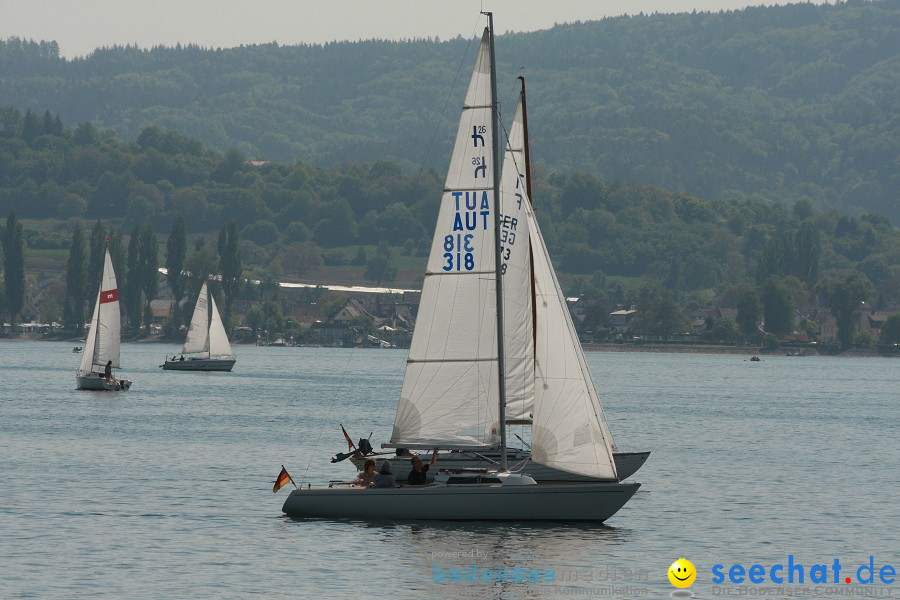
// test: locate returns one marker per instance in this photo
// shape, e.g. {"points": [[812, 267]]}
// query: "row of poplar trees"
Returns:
{"points": [[137, 271], [13, 296]]}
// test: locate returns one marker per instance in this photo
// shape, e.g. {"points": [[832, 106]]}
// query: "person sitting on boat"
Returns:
{"points": [[384, 478], [367, 477], [107, 372], [418, 474]]}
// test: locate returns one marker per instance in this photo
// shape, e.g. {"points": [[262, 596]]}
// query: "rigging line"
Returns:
{"points": [[440, 120], [334, 398]]}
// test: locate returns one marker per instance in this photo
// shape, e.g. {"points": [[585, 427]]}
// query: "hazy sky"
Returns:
{"points": [[79, 26]]}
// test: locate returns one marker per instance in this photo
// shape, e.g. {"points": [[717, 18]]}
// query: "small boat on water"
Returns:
{"points": [[755, 358], [206, 344], [101, 348], [454, 394]]}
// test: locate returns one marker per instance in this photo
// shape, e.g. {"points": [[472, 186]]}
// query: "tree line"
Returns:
{"points": [[137, 271], [614, 239]]}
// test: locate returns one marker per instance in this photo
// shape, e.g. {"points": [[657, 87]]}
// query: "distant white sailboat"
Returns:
{"points": [[544, 357], [101, 348], [206, 345], [454, 392]]}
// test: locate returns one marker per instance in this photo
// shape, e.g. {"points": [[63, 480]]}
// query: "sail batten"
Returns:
{"points": [[489, 273], [450, 360]]}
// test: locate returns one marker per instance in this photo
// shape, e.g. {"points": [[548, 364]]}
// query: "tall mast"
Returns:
{"points": [[495, 159], [209, 317], [526, 142]]}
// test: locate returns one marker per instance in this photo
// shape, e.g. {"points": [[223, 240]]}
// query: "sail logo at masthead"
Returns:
{"points": [[109, 296]]}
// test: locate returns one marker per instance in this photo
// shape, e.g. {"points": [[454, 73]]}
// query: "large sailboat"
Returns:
{"points": [[206, 345], [454, 394], [101, 348], [542, 347]]}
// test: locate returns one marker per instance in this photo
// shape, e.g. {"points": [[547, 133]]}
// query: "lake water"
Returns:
{"points": [[165, 491]]}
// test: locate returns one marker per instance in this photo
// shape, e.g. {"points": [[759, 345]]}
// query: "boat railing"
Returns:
{"points": [[466, 470], [335, 482]]}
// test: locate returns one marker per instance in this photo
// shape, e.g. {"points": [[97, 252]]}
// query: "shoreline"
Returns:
{"points": [[654, 347]]}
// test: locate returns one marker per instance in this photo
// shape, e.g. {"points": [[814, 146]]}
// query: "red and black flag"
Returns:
{"points": [[350, 445], [282, 480]]}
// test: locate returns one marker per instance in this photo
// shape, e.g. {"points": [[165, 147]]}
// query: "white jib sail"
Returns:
{"points": [[515, 256], [569, 430], [450, 389], [218, 339], [197, 339], [102, 344]]}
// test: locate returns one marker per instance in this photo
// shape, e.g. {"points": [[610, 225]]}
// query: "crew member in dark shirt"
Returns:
{"points": [[418, 474]]}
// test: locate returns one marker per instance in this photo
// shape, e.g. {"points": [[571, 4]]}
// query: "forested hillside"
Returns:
{"points": [[781, 104], [615, 237]]}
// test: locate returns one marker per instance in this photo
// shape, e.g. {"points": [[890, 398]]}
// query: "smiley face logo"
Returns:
{"points": [[682, 573]]}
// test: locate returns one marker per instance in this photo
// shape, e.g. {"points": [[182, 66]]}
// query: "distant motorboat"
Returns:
{"points": [[755, 358], [77, 349]]}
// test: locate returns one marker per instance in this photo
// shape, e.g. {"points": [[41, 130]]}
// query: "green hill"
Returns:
{"points": [[782, 103]]}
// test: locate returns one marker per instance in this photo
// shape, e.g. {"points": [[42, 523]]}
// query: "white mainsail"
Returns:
{"points": [[515, 256], [197, 339], [218, 339], [102, 344], [450, 394]]}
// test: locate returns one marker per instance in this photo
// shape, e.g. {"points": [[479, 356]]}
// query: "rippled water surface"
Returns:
{"points": [[166, 491]]}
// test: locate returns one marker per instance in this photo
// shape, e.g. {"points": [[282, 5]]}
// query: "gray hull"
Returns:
{"points": [[626, 465], [199, 364], [542, 502], [95, 381]]}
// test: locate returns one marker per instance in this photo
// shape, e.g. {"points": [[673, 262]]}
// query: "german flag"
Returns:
{"points": [[282, 480], [350, 445]]}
